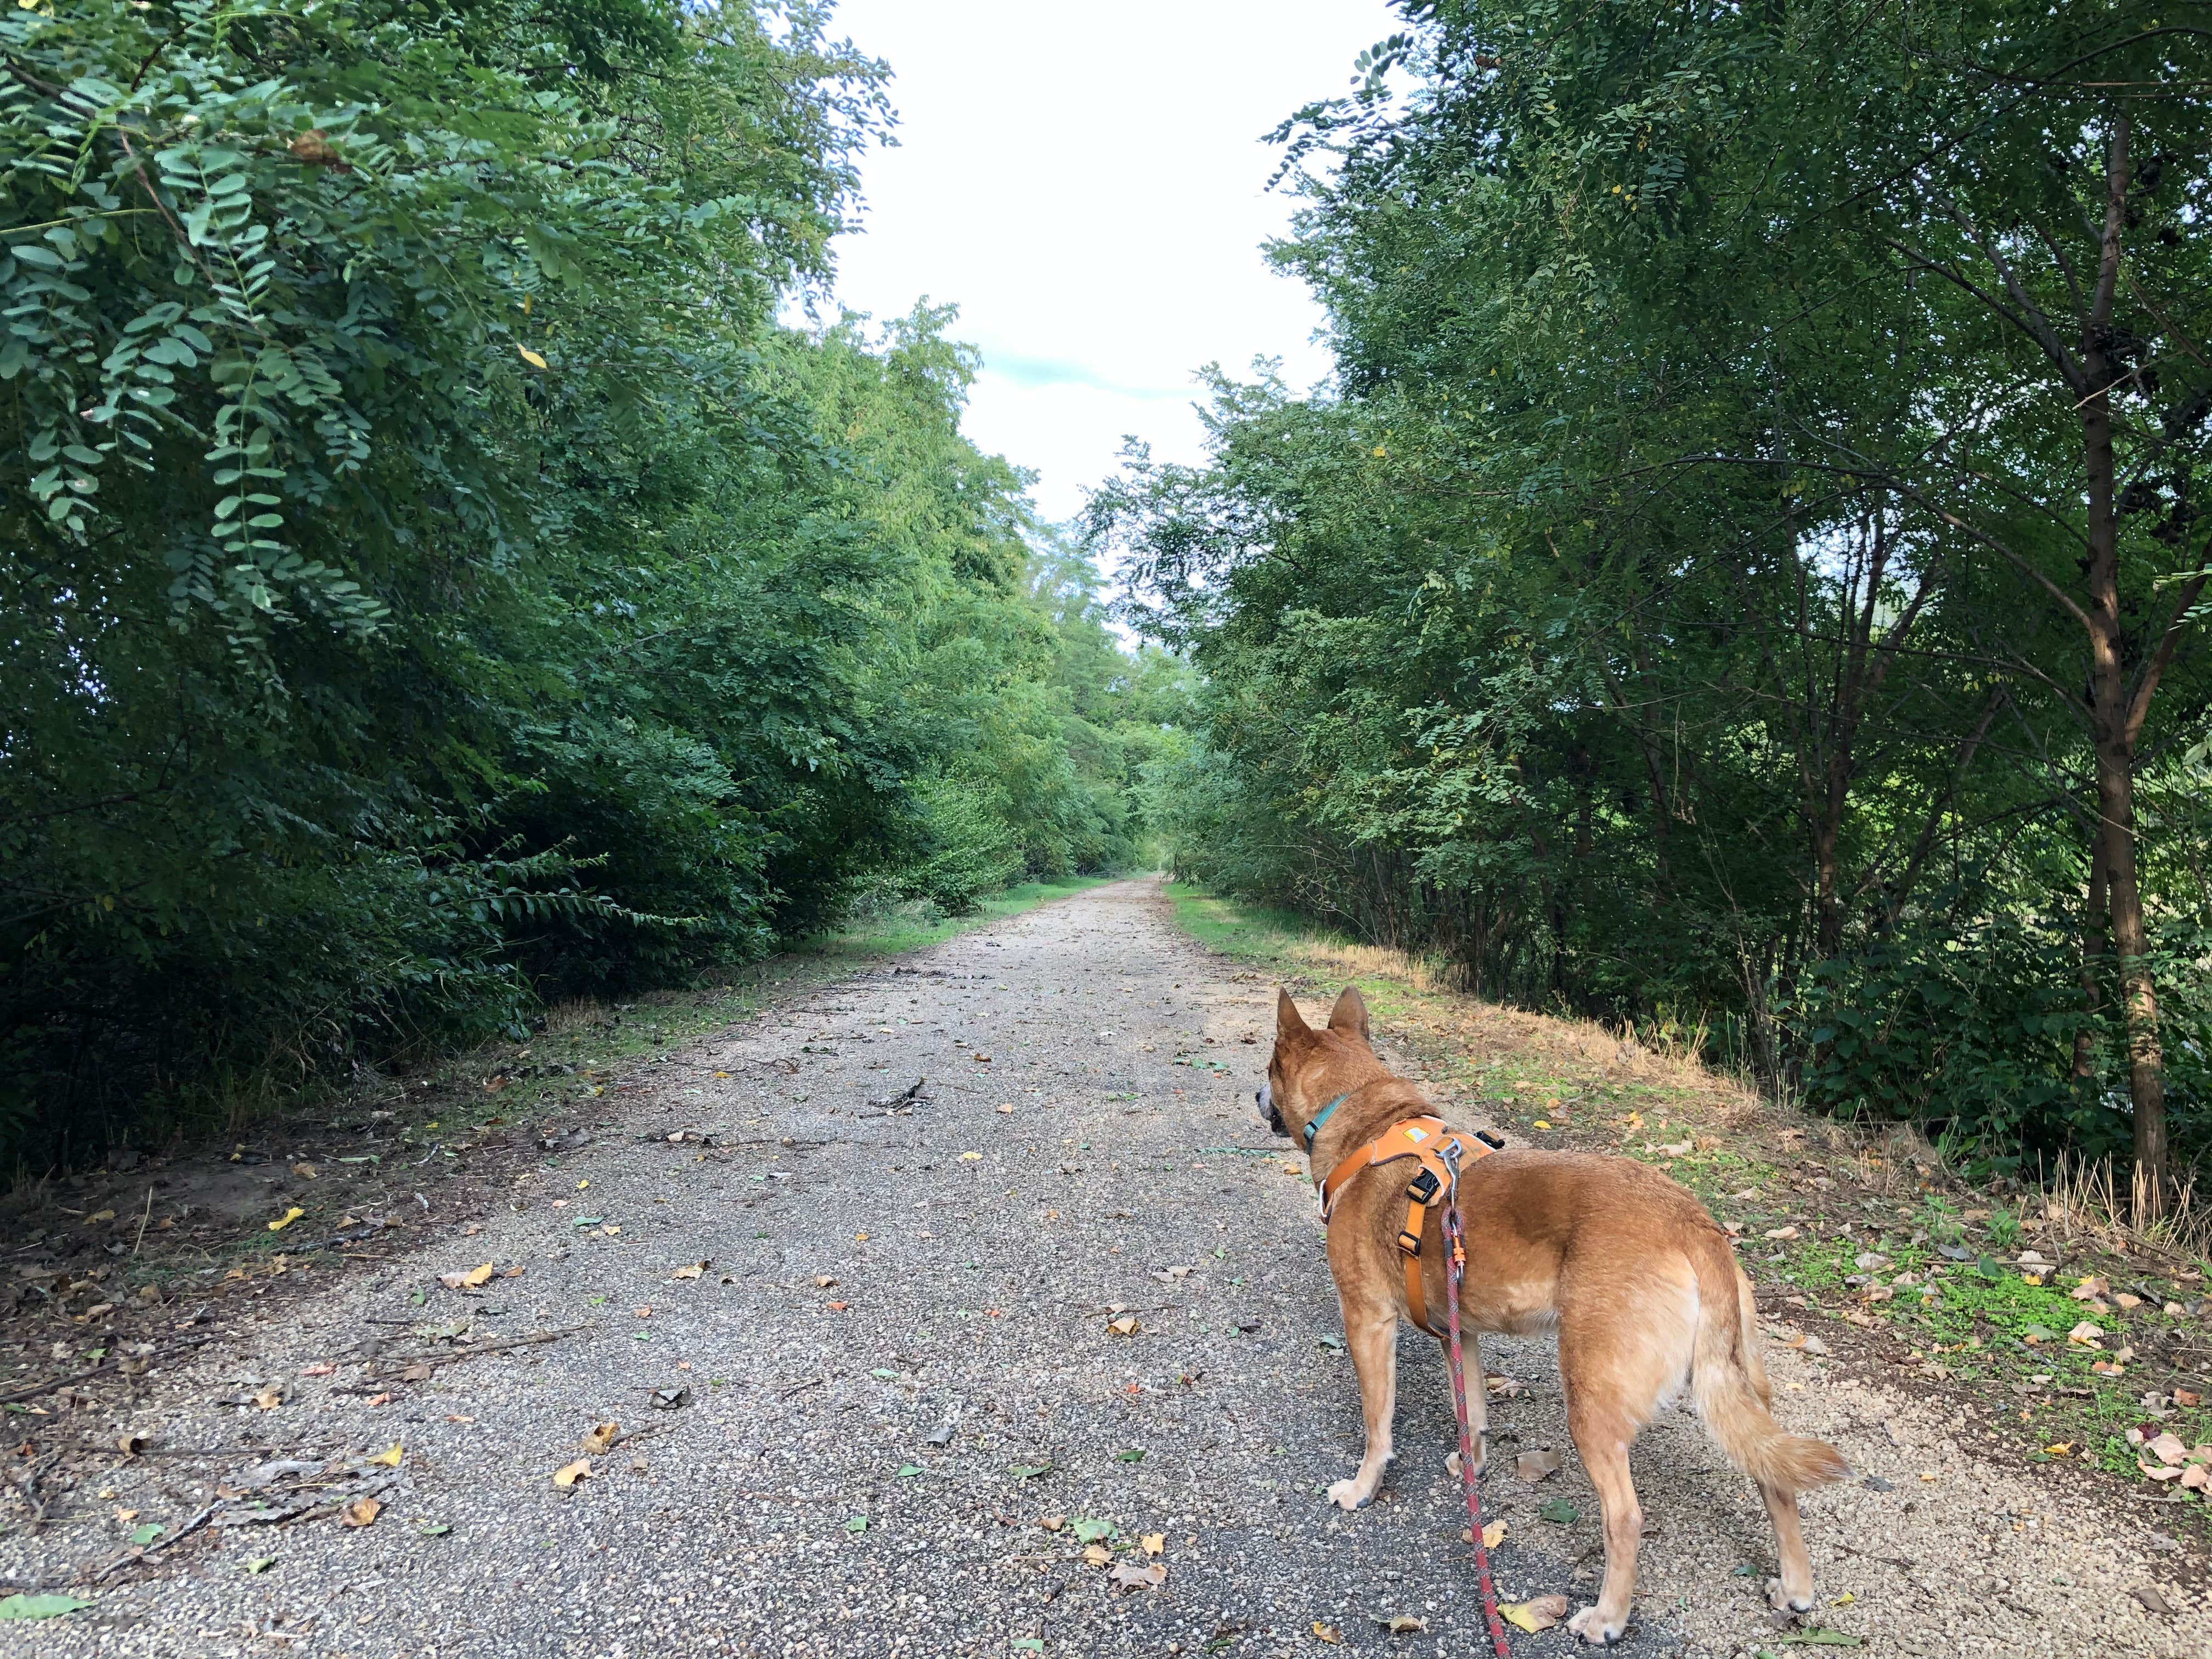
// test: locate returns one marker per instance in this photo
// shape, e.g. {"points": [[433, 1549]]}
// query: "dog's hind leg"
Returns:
{"points": [[1371, 1333], [1602, 1435], [1793, 1591]]}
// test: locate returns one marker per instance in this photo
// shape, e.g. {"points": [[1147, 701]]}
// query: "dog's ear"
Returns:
{"points": [[1289, 1021], [1350, 1013]]}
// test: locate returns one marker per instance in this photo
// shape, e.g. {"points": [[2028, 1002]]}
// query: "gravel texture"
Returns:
{"points": [[861, 1467]]}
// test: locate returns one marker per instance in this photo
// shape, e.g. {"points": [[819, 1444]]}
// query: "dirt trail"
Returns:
{"points": [[899, 1359]]}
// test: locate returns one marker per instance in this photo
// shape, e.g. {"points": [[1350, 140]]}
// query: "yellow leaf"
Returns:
{"points": [[1154, 1542], [971, 1158], [1540, 1124], [531, 357], [2061, 1450], [390, 1459], [1493, 1534], [690, 1272], [1097, 1554], [286, 1220], [1329, 1633], [571, 1474], [477, 1276], [601, 1438], [361, 1512], [1539, 1612]]}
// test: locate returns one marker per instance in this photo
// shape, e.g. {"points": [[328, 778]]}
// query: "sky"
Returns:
{"points": [[1088, 184]]}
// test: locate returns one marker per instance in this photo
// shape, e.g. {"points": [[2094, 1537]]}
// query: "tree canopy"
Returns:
{"points": [[1748, 573], [434, 581]]}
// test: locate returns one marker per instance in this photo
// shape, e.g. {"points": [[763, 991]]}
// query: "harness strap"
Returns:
{"points": [[1424, 1140]]}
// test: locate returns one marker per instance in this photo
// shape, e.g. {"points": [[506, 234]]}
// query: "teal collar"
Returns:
{"points": [[1313, 1125]]}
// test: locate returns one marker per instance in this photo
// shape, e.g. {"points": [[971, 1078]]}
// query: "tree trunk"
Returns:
{"points": [[2094, 910], [2111, 712]]}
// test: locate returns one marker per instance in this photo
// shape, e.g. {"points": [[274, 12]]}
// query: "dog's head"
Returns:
{"points": [[1308, 1067]]}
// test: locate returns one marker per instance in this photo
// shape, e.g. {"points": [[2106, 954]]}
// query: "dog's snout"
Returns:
{"points": [[1264, 1098]]}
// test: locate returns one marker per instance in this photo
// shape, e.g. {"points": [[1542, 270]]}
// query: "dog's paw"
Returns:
{"points": [[1452, 1462], [1346, 1494], [1781, 1601], [1598, 1632]]}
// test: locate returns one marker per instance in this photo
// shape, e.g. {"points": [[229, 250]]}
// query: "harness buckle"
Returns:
{"points": [[1424, 1186], [1409, 1242]]}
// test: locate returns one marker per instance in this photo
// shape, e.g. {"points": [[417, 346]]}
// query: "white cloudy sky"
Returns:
{"points": [[1087, 183]]}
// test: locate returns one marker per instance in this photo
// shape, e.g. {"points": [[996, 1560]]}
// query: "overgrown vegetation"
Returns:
{"points": [[435, 585], [1748, 578]]}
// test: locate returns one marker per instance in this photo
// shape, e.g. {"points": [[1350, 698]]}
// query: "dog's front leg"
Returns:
{"points": [[1371, 1333], [1478, 1402]]}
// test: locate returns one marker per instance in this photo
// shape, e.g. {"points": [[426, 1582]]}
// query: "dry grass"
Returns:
{"points": [[580, 1014], [2093, 1200]]}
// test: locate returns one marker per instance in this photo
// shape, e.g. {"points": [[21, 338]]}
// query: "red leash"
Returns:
{"points": [[1454, 1264]]}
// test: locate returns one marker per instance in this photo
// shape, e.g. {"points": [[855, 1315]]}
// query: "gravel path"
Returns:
{"points": [[899, 1362]]}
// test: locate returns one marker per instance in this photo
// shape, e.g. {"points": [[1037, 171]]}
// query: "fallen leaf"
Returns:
{"points": [[1153, 1543], [1534, 1465], [840, 1307], [1538, 1612], [270, 1399], [856, 1524], [380, 1400], [20, 1606], [361, 1512], [692, 1271], [531, 357], [261, 1563], [146, 1535], [2086, 1333], [2168, 1448], [322, 1369], [1493, 1534], [2185, 1397], [130, 1444], [1124, 1325], [2196, 1477], [2089, 1289], [1052, 1523], [1127, 1576], [1089, 1532], [1781, 1232], [1504, 1388], [1559, 1512], [1328, 1633], [1097, 1554], [569, 1474], [286, 1220], [824, 1281], [390, 1459], [597, 1442], [435, 1529], [1401, 1624]]}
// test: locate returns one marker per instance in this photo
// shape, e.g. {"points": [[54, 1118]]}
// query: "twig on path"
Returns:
{"points": [[134, 1553], [454, 1355], [802, 1388], [1868, 1555], [107, 1365], [143, 1220]]}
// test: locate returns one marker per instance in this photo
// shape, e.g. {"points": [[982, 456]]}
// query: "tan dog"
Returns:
{"points": [[1641, 1286]]}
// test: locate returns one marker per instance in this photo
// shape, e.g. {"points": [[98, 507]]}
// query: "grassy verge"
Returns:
{"points": [[1923, 1278]]}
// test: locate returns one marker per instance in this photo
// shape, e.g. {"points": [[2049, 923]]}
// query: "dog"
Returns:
{"points": [[1640, 1284]]}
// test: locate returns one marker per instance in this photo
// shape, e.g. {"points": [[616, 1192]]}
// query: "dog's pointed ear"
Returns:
{"points": [[1350, 1013], [1289, 1021]]}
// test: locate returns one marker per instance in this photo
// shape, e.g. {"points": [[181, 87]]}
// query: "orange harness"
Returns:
{"points": [[1422, 1139]]}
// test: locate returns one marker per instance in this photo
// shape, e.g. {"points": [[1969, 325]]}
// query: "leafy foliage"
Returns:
{"points": [[435, 581], [1748, 575]]}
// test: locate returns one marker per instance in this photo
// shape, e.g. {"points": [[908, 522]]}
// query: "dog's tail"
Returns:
{"points": [[1729, 1382]]}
